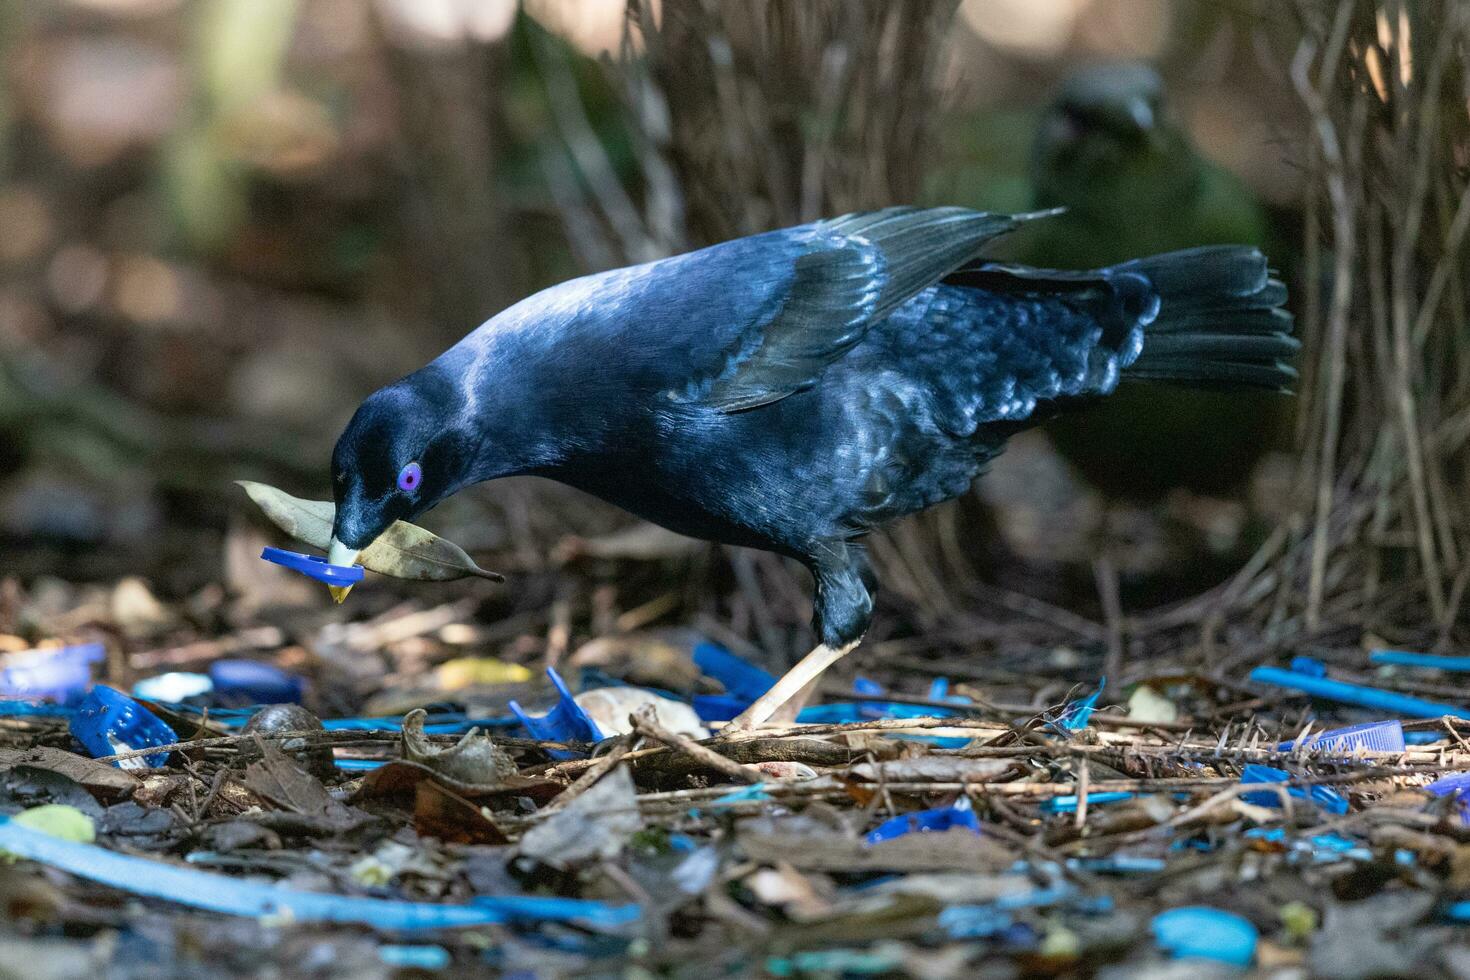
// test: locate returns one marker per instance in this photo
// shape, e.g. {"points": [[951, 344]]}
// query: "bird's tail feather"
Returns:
{"points": [[1221, 320]]}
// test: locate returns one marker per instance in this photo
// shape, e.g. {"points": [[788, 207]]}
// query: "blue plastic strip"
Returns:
{"points": [[1359, 694], [1405, 658], [237, 896], [1067, 804], [314, 566]]}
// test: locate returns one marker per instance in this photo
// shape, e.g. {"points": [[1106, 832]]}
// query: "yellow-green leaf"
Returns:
{"points": [[403, 551]]}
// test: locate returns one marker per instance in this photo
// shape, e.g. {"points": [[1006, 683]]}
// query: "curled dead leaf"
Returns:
{"points": [[403, 551]]}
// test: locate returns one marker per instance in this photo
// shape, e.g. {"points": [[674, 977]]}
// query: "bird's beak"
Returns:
{"points": [[339, 554]]}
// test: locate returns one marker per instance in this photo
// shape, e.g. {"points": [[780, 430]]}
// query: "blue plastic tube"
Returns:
{"points": [[255, 899], [1405, 658], [1359, 694]]}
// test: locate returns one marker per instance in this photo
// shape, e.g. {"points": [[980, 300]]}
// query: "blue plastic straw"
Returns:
{"points": [[1405, 658], [1359, 694], [254, 899]]}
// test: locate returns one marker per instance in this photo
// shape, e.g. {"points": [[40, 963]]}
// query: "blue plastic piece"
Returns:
{"points": [[1424, 738], [741, 679], [1068, 803], [255, 899], [1325, 797], [314, 566], [1206, 933], [1118, 864], [565, 722], [360, 765], [973, 921], [1359, 694], [174, 686], [927, 821], [1456, 786], [414, 957], [743, 683], [1405, 658], [1374, 736], [242, 682], [1310, 666], [107, 722], [1075, 716], [745, 794], [59, 674]]}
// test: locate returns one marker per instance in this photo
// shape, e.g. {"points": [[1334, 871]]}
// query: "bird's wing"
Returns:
{"points": [[849, 273]]}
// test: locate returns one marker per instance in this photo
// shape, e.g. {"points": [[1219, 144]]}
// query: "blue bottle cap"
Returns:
{"points": [[1375, 736], [107, 722], [314, 566], [239, 682], [1212, 934]]}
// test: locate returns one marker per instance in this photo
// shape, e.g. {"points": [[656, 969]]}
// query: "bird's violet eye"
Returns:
{"points": [[410, 477]]}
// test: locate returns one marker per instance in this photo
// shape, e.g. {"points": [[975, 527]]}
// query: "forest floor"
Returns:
{"points": [[959, 815]]}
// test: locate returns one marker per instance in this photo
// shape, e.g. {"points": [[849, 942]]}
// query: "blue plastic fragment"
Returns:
{"points": [[741, 679], [940, 819], [1456, 786], [565, 722], [174, 686], [1424, 738], [1374, 736], [60, 674], [864, 685], [1206, 933], [242, 682], [107, 721], [255, 899], [833, 962], [1325, 797], [1068, 803], [1310, 666], [34, 708], [1359, 694], [974, 921], [1076, 715], [414, 957], [1118, 864], [314, 566], [1405, 658], [360, 765], [444, 723], [745, 794]]}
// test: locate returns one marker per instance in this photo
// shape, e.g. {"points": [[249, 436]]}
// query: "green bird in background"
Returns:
{"points": [[1109, 151]]}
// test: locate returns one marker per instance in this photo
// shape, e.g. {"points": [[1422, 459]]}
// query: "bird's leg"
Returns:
{"points": [[797, 684]]}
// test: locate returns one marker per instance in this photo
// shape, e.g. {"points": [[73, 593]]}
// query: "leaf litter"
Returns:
{"points": [[1018, 818]]}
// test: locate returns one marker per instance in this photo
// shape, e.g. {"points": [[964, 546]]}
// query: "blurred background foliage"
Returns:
{"points": [[224, 222]]}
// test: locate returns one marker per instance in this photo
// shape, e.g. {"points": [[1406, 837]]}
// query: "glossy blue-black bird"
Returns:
{"points": [[794, 390]]}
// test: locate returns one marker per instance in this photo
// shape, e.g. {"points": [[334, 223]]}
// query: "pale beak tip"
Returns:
{"points": [[339, 593]]}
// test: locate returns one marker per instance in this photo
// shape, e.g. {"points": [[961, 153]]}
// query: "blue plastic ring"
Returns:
{"points": [[314, 566]]}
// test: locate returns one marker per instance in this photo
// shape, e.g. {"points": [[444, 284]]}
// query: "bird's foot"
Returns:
{"points": [[790, 694]]}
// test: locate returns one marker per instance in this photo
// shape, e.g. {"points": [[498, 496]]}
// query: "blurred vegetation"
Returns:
{"points": [[225, 221]]}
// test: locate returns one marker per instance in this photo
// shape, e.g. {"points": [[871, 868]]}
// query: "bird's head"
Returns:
{"points": [[399, 456], [1109, 125]]}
